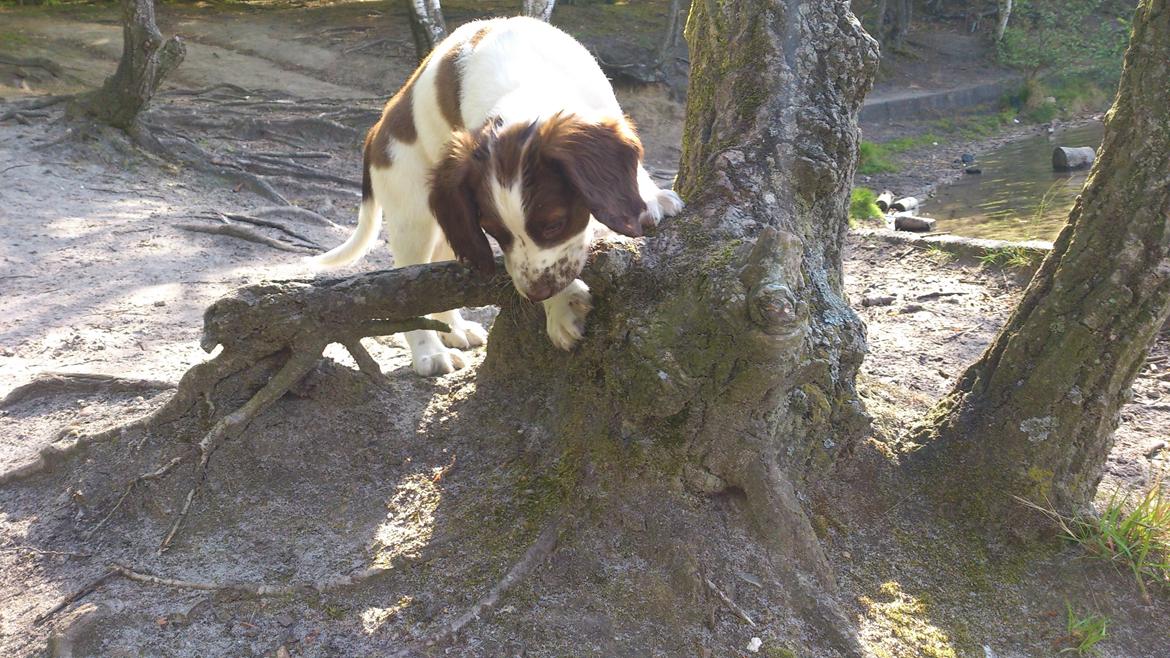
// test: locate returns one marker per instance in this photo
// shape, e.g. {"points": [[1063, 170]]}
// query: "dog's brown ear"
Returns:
{"points": [[601, 161], [452, 201]]}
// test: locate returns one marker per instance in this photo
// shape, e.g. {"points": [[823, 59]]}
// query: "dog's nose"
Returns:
{"points": [[540, 291]]}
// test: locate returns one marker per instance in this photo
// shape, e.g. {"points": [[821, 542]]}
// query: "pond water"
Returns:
{"points": [[1018, 196]]}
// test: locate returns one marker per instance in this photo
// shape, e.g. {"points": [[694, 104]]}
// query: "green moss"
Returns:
{"points": [[781, 651]]}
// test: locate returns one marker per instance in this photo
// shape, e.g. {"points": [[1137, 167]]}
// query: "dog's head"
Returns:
{"points": [[532, 187]]}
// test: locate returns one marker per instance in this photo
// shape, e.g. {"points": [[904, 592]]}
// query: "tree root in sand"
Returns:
{"points": [[250, 235], [290, 322], [53, 68], [536, 554]]}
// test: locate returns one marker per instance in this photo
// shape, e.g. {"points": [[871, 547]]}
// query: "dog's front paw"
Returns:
{"points": [[659, 204], [438, 363], [565, 314], [464, 334]]}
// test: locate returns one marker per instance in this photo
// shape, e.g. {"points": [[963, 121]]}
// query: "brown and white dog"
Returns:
{"points": [[508, 128]]}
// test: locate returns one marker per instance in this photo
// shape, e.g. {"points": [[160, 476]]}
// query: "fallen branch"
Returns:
{"points": [[731, 605], [77, 595]]}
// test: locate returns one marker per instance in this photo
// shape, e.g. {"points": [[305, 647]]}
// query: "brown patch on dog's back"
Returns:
{"points": [[397, 122], [449, 78], [447, 86]]}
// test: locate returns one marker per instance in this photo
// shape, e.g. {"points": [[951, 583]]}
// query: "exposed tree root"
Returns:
{"points": [[27, 109], [53, 68], [245, 233], [533, 557], [228, 217], [290, 323], [76, 383], [295, 212], [206, 91]]}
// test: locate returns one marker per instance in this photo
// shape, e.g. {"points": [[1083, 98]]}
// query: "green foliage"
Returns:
{"points": [[1067, 37], [863, 205], [874, 158], [1084, 632]]}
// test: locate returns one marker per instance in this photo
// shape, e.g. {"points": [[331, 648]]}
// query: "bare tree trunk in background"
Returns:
{"points": [[1005, 14], [539, 9], [426, 25], [903, 14], [1035, 416], [146, 60]]}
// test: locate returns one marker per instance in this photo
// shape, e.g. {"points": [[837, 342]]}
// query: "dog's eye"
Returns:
{"points": [[554, 227]]}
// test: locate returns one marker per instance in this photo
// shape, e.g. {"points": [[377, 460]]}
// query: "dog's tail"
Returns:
{"points": [[368, 228]]}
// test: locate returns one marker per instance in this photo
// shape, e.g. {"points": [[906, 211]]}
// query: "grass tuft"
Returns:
{"points": [[1135, 537], [1013, 257], [863, 205], [1084, 632]]}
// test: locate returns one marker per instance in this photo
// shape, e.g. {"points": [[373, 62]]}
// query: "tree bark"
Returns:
{"points": [[426, 25], [146, 60], [539, 9], [1005, 14], [1034, 417]]}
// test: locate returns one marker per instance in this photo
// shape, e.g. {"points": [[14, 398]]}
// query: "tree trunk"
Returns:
{"points": [[1005, 14], [146, 60], [722, 354], [426, 25], [539, 9], [1034, 417]]}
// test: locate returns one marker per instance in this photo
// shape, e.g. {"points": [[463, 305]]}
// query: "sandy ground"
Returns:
{"points": [[97, 277]]}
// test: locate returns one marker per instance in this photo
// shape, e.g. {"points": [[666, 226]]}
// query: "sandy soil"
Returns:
{"points": [[98, 277]]}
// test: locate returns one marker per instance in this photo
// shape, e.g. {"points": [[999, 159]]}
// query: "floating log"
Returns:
{"points": [[911, 222], [884, 200], [905, 204], [1068, 158]]}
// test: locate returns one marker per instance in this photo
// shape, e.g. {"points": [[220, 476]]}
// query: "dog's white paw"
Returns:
{"points": [[565, 314], [438, 363], [659, 204], [464, 334]]}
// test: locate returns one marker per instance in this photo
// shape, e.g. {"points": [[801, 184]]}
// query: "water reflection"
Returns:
{"points": [[1018, 196]]}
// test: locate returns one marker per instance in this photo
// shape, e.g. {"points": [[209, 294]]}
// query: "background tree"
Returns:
{"points": [[426, 25], [146, 60], [1035, 416]]}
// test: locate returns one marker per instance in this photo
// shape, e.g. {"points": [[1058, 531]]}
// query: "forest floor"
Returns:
{"points": [[101, 273]]}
